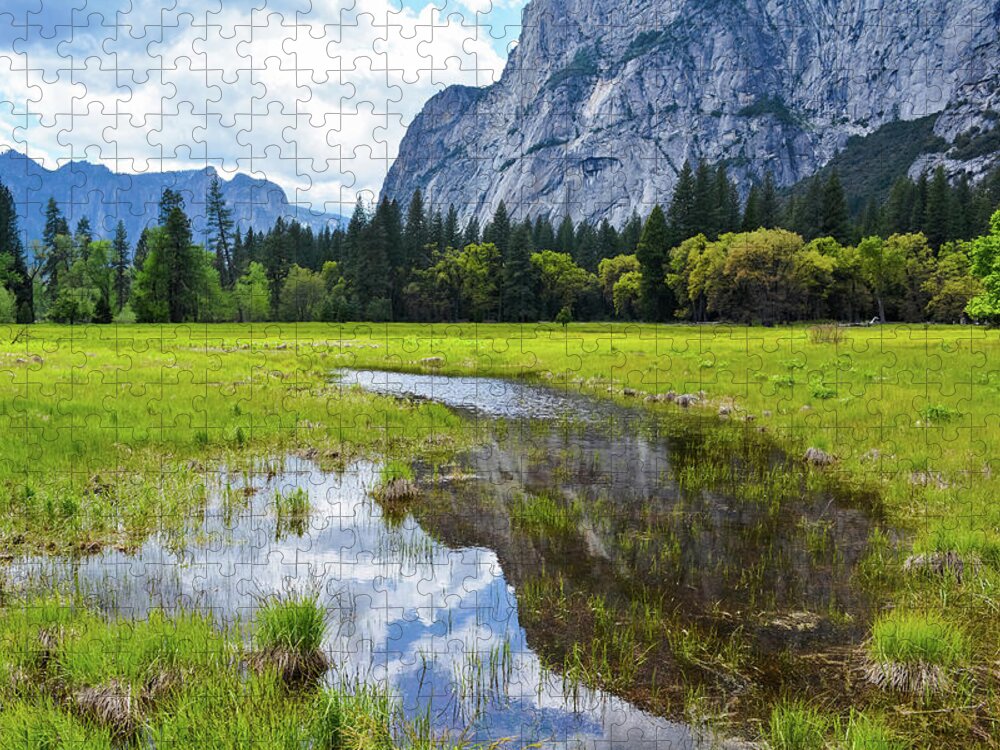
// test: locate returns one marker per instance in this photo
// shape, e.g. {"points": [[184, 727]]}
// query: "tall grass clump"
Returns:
{"points": [[289, 637], [826, 333], [396, 489], [358, 719], [292, 510], [866, 732], [796, 726], [542, 514], [914, 652], [43, 725]]}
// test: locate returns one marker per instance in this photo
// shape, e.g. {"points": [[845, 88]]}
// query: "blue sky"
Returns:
{"points": [[314, 95]]}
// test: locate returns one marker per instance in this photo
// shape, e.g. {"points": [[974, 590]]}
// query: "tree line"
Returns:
{"points": [[929, 252]]}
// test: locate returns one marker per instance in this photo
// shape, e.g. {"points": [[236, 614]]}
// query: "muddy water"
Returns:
{"points": [[428, 604]]}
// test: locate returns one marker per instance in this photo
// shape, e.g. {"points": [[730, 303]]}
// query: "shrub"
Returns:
{"points": [[829, 333], [939, 413], [7, 306]]}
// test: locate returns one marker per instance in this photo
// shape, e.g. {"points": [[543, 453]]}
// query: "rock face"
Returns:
{"points": [[92, 190], [603, 100]]}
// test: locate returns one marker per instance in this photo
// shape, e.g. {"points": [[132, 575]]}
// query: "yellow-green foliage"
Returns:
{"points": [[912, 637]]}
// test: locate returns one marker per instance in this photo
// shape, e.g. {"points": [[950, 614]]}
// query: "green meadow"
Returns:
{"points": [[108, 433]]}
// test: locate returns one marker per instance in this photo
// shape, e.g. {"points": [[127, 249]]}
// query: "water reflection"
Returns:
{"points": [[615, 507], [437, 623]]}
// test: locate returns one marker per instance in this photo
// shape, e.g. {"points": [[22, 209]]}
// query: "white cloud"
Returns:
{"points": [[316, 101]]}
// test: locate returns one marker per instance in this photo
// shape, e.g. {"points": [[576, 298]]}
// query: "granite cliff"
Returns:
{"points": [[602, 101]]}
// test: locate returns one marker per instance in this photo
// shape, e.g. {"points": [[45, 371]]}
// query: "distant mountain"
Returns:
{"points": [[92, 190], [602, 101]]}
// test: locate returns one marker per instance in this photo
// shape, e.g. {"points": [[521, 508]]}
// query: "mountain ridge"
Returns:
{"points": [[103, 196], [602, 101]]}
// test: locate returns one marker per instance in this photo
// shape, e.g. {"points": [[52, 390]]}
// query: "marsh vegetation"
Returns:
{"points": [[221, 534]]}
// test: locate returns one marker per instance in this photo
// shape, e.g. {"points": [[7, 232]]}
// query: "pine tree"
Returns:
{"points": [[241, 262], [219, 227], [82, 237], [55, 224], [543, 235], [899, 207], [681, 219], [751, 213], [655, 297], [769, 208], [586, 247], [704, 212], [608, 241], [182, 267], [141, 249], [354, 252], [277, 255], [517, 294], [937, 211], [566, 236], [919, 215], [120, 262], [452, 232], [470, 235], [499, 229], [833, 217], [727, 208], [390, 233], [963, 210], [374, 285], [628, 238], [807, 216], [169, 200], [415, 234], [871, 220], [57, 260], [19, 281]]}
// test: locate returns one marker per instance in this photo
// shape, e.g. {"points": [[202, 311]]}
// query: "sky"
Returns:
{"points": [[312, 94]]}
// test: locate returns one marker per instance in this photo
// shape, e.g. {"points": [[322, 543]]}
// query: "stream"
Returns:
{"points": [[428, 603]]}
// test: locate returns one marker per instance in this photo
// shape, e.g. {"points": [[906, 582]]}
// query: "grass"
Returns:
{"points": [[213, 702], [361, 718], [870, 732], [296, 623], [915, 652], [797, 726], [396, 491], [289, 636], [112, 433], [294, 503], [543, 515], [292, 509], [910, 637]]}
